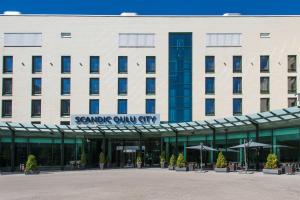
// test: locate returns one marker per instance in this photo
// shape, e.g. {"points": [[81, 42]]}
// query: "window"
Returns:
{"points": [[22, 39], [150, 85], [209, 107], [65, 35], [122, 106], [94, 86], [94, 106], [209, 85], [7, 64], [94, 64], [141, 40], [35, 122], [237, 106], [265, 35], [65, 64], [36, 86], [64, 123], [292, 102], [6, 108], [292, 63], [264, 85], [65, 107], [209, 64], [150, 106], [65, 86], [150, 64], [35, 108], [264, 104], [237, 85], [36, 64], [264, 64], [237, 64], [122, 64], [122, 86], [7, 86], [223, 39], [292, 85]]}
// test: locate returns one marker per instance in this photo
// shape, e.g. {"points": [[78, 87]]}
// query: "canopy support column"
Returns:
{"points": [[12, 150], [62, 151], [176, 141], [213, 141], [256, 140]]}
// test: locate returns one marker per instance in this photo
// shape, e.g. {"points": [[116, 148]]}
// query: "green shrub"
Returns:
{"points": [[221, 161], [31, 164], [172, 160], [138, 158], [83, 159], [162, 157], [272, 161], [180, 161], [101, 158]]}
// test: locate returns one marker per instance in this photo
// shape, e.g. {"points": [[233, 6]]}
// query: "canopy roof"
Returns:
{"points": [[265, 120]]}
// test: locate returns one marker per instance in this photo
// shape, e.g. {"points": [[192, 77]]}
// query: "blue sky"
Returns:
{"points": [[153, 7]]}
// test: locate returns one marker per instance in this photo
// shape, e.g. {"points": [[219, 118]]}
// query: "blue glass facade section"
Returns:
{"points": [[209, 64], [209, 107], [150, 85], [237, 106], [36, 64], [237, 85], [7, 64], [94, 106], [65, 86], [150, 64], [209, 85], [180, 77], [122, 106], [122, 86], [36, 86], [237, 64], [65, 64], [150, 106], [94, 86], [94, 64], [122, 64]]}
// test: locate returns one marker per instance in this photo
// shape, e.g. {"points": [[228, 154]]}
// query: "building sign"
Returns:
{"points": [[146, 119]]}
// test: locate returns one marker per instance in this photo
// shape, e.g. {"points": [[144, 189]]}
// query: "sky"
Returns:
{"points": [[153, 7]]}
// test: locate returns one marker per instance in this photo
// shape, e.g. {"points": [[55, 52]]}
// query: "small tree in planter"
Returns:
{"points": [[101, 160], [221, 165], [172, 162], [271, 166], [139, 161], [83, 160], [31, 165], [162, 159], [180, 164]]}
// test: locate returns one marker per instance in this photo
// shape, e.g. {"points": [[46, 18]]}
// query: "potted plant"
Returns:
{"points": [[271, 166], [31, 165], [172, 162], [221, 165], [162, 159], [83, 160], [181, 164], [139, 161], [101, 160]]}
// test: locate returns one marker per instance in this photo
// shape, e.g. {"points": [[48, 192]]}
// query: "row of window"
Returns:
{"points": [[65, 107], [66, 64]]}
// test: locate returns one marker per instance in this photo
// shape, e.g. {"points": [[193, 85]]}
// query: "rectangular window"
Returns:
{"points": [[36, 86], [292, 85], [150, 64], [7, 86], [94, 86], [36, 64], [65, 35], [94, 106], [292, 102], [150, 85], [237, 64], [35, 122], [292, 63], [209, 64], [94, 64], [7, 64], [209, 85], [237, 105], [65, 86], [65, 64], [6, 108], [122, 86], [150, 106], [122, 64], [264, 64], [65, 108], [223, 39], [209, 107], [22, 39], [237, 85], [134, 40], [264, 104], [264, 85], [265, 35], [65, 123], [122, 106], [35, 108]]}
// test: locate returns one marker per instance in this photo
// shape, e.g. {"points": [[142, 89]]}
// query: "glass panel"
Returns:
{"points": [[94, 86], [292, 63], [150, 106], [7, 86], [150, 85], [36, 108], [237, 85], [264, 85], [292, 85], [122, 106], [94, 64], [36, 86], [65, 86], [292, 102], [209, 106], [264, 63], [209, 64], [65, 64], [237, 106], [209, 85], [65, 107], [7, 64], [122, 64], [94, 106], [264, 104], [122, 86], [150, 64], [36, 64], [6, 108], [237, 64]]}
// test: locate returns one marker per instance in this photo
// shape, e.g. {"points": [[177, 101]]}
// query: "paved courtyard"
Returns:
{"points": [[148, 184]]}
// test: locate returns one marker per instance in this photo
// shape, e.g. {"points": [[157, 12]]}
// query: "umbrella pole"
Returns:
{"points": [[245, 155], [201, 159]]}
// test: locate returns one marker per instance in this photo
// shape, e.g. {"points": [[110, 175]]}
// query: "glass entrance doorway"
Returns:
{"points": [[128, 155]]}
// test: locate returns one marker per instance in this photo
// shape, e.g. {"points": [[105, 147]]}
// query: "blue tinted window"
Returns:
{"points": [[94, 85], [209, 106], [237, 106], [264, 63], [122, 64], [94, 106], [122, 106], [36, 108], [65, 64], [65, 107], [150, 85], [36, 86], [210, 85], [150, 64], [7, 86], [7, 64], [237, 85], [6, 108], [36, 64], [94, 64], [150, 106], [237, 63], [122, 86], [209, 64], [65, 86]]}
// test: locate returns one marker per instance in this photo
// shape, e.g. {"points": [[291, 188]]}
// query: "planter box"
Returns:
{"points": [[272, 171], [226, 169], [181, 169], [171, 167], [101, 165], [32, 172]]}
